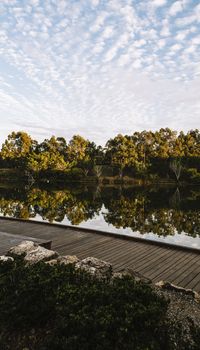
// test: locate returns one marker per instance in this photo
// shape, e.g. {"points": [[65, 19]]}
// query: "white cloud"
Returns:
{"points": [[94, 63], [165, 31], [108, 32], [175, 8], [158, 3], [184, 21], [95, 2], [139, 43], [97, 25]]}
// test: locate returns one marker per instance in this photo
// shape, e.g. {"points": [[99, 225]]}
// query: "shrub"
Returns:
{"points": [[69, 309]]}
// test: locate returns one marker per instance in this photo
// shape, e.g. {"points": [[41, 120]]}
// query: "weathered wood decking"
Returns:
{"points": [[157, 262], [8, 240]]}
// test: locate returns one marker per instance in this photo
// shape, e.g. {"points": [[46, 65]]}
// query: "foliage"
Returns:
{"points": [[142, 154], [77, 150], [71, 309], [17, 146], [122, 151], [46, 161]]}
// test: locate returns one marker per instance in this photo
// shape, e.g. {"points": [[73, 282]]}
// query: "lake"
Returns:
{"points": [[166, 214]]}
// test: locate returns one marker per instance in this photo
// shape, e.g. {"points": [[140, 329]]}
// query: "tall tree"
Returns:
{"points": [[54, 144], [123, 152], [78, 150], [17, 146]]}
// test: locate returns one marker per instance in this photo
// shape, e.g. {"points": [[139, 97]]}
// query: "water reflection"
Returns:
{"points": [[161, 211]]}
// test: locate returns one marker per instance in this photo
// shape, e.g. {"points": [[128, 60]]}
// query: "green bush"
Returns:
{"points": [[68, 309]]}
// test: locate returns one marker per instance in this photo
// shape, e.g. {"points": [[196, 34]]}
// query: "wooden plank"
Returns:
{"points": [[141, 257], [175, 267], [183, 271], [116, 252], [165, 265], [196, 286], [157, 259], [190, 273]]}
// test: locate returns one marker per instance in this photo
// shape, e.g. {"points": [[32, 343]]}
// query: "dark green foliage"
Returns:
{"points": [[69, 309]]}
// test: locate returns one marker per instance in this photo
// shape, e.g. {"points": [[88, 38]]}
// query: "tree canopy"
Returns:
{"points": [[142, 152]]}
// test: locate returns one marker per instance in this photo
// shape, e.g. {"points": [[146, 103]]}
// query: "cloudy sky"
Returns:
{"points": [[98, 67]]}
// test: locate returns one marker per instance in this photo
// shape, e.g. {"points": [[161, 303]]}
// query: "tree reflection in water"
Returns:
{"points": [[162, 211]]}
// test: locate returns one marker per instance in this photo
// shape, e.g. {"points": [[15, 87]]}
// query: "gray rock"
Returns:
{"points": [[66, 260], [39, 254], [22, 249], [96, 267], [5, 259], [32, 252]]}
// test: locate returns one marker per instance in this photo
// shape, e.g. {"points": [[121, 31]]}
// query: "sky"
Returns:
{"points": [[98, 67]]}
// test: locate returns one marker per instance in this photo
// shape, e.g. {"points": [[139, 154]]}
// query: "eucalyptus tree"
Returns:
{"points": [[17, 147], [49, 155], [77, 150], [123, 152], [192, 143]]}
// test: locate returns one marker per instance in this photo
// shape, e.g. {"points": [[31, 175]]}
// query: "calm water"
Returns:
{"points": [[165, 214]]}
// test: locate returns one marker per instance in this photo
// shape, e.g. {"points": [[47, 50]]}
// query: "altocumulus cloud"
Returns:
{"points": [[97, 67]]}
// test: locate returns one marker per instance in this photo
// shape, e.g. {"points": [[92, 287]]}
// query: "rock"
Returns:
{"points": [[98, 268], [39, 254], [66, 260], [32, 252], [52, 262], [170, 286], [5, 259], [22, 249], [130, 272]]}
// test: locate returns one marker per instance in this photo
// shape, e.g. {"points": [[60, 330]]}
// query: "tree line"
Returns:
{"points": [[163, 152]]}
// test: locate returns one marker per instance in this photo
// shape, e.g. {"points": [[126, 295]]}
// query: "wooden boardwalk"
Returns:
{"points": [[157, 262]]}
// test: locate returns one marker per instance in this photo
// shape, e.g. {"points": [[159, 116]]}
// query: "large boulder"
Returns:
{"points": [[32, 252], [39, 254], [96, 267], [22, 249]]}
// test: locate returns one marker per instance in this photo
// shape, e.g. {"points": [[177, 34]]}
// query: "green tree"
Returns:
{"points": [[78, 150], [122, 151], [17, 147], [192, 143], [54, 144], [46, 161]]}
